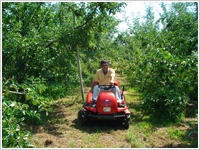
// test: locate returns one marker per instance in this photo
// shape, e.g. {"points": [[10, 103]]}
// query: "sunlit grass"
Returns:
{"points": [[71, 144], [176, 134], [141, 133], [134, 138]]}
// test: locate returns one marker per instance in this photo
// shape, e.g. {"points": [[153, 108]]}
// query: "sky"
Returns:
{"points": [[138, 8]]}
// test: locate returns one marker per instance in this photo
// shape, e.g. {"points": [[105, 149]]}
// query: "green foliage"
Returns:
{"points": [[21, 110], [39, 38], [13, 117], [26, 109], [39, 57], [56, 90], [163, 63], [32, 96]]}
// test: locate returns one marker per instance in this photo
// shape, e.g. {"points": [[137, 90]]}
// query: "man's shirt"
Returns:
{"points": [[104, 79]]}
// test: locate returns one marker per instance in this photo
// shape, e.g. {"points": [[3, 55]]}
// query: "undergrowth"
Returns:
{"points": [[33, 99]]}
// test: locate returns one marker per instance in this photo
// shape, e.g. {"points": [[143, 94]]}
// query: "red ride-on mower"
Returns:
{"points": [[106, 106]]}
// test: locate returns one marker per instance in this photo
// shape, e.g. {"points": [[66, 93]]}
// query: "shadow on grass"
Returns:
{"points": [[97, 126], [187, 142], [50, 123], [193, 144]]}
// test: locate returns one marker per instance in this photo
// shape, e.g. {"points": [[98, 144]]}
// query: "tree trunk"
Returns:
{"points": [[79, 65]]}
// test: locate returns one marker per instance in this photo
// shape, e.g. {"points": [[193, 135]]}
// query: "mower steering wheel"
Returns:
{"points": [[107, 88]]}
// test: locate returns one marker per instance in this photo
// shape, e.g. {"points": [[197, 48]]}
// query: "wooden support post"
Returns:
{"points": [[79, 65]]}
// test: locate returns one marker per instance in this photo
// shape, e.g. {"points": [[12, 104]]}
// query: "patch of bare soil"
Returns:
{"points": [[63, 129]]}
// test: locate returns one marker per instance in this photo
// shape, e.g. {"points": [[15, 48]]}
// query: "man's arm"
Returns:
{"points": [[112, 76], [112, 80], [94, 83]]}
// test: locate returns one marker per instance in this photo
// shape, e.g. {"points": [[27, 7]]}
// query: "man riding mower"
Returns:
{"points": [[105, 100]]}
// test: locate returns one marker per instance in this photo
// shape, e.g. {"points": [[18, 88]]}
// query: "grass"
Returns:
{"points": [[71, 144], [85, 140], [134, 139], [175, 134], [149, 128], [143, 132]]}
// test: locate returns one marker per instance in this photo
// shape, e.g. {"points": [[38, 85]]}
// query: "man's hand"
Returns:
{"points": [[111, 82], [91, 91], [95, 83]]}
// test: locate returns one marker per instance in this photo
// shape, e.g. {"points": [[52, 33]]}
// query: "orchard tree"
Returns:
{"points": [[39, 38], [165, 62]]}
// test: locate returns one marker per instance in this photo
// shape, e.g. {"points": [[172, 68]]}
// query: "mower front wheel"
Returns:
{"points": [[127, 121], [85, 118]]}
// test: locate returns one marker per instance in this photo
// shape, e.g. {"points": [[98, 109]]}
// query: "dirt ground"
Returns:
{"points": [[63, 129]]}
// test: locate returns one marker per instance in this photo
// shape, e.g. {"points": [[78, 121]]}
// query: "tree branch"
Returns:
{"points": [[73, 28], [31, 19], [49, 44], [34, 14], [81, 25], [69, 30], [14, 92]]}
